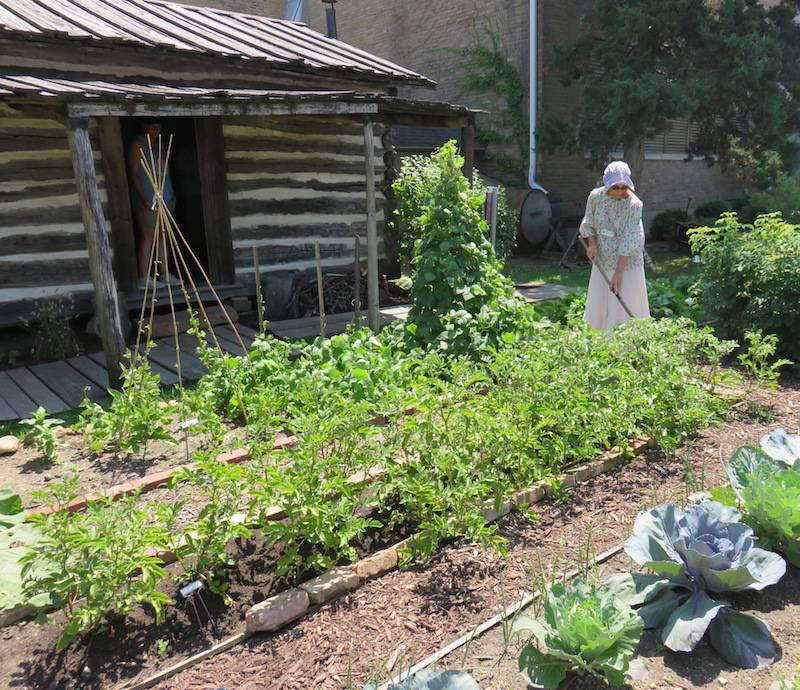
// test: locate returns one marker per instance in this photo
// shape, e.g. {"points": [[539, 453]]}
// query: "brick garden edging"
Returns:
{"points": [[282, 609]]}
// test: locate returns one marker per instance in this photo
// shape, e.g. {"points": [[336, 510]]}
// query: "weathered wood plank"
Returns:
{"points": [[278, 254], [218, 109], [44, 191], [164, 354], [7, 412], [188, 346], [51, 270], [272, 143], [91, 370], [16, 398], [237, 186], [246, 334], [53, 242], [69, 384], [291, 232], [167, 376], [43, 215], [319, 124], [106, 301], [299, 165], [36, 390], [119, 206], [244, 207], [32, 142], [213, 190]]}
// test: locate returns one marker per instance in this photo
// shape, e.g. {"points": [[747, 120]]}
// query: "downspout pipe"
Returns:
{"points": [[533, 93]]}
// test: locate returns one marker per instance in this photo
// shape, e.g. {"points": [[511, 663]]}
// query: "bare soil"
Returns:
{"points": [[27, 471]]}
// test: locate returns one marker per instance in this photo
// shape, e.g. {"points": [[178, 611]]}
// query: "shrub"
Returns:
{"points": [[750, 278], [663, 225], [784, 198], [712, 209], [53, 337], [462, 302], [414, 188]]}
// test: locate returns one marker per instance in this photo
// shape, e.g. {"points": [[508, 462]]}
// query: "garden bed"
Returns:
{"points": [[407, 615]]}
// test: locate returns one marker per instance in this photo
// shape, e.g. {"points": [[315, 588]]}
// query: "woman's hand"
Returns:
{"points": [[616, 281], [591, 249]]}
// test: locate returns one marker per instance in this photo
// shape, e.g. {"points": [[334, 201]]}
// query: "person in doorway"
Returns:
{"points": [[613, 230], [143, 196]]}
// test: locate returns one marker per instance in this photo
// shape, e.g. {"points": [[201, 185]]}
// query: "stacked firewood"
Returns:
{"points": [[338, 290]]}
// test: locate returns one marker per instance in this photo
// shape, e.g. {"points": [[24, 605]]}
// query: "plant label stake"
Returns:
{"points": [[186, 425], [193, 588]]}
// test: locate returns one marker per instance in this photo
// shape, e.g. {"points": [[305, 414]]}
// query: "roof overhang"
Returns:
{"points": [[89, 97]]}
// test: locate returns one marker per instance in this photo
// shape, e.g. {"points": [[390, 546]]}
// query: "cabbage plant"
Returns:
{"points": [[586, 629], [767, 485], [427, 680], [697, 555]]}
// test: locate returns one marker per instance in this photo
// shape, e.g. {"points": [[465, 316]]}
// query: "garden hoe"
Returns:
{"points": [[605, 277]]}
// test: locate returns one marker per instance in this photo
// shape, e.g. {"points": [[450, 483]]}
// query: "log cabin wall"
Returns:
{"points": [[292, 181], [42, 242]]}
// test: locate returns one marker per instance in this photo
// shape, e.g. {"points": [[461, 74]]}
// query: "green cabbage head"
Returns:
{"points": [[697, 555]]}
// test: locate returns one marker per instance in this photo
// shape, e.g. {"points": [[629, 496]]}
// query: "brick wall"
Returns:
{"points": [[418, 33]]}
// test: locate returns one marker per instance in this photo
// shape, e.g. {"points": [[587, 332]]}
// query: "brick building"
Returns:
{"points": [[418, 34]]}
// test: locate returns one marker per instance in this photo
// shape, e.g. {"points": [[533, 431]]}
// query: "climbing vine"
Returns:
{"points": [[489, 70]]}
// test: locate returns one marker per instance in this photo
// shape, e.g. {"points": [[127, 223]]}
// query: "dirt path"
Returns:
{"points": [[405, 616]]}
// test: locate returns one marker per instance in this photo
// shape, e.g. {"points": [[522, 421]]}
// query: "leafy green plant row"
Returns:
{"points": [[550, 403]]}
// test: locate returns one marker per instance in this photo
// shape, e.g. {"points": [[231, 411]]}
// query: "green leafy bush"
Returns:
{"points": [[89, 562], [670, 298], [136, 415], [53, 337], [712, 209], [769, 491], [462, 302], [664, 224], [586, 629], [414, 188], [783, 198], [750, 278], [41, 433]]}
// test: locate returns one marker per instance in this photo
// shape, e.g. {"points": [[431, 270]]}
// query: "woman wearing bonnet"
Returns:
{"points": [[613, 229]]}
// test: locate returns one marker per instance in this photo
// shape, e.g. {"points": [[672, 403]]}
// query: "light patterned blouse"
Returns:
{"points": [[617, 225]]}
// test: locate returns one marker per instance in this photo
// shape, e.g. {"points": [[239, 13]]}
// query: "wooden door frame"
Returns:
{"points": [[212, 174]]}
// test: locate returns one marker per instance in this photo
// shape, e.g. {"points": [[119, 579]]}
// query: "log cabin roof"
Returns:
{"points": [[159, 25], [90, 95]]}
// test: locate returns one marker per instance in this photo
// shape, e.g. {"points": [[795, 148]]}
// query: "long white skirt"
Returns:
{"points": [[603, 310]]}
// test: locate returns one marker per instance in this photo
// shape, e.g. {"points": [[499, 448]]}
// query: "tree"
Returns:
{"points": [[641, 63]]}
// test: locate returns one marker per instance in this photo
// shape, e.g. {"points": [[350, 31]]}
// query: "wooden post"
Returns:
{"points": [[373, 296], [357, 280], [119, 203], [468, 149], [106, 305], [320, 289], [259, 297]]}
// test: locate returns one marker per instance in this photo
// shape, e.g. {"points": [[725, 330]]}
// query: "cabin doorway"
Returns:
{"points": [[185, 179]]}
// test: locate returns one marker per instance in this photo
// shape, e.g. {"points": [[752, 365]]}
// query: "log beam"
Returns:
{"points": [[373, 295], [106, 301]]}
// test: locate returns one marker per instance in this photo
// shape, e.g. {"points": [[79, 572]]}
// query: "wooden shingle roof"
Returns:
{"points": [[170, 26]]}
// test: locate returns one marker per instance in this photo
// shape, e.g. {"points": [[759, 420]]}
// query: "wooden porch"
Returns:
{"points": [[62, 385]]}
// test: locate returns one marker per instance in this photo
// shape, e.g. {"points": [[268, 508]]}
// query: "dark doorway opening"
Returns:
{"points": [[185, 176]]}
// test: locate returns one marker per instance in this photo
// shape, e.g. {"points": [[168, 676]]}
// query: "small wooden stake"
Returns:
{"points": [[259, 297], [357, 280], [320, 294], [373, 293]]}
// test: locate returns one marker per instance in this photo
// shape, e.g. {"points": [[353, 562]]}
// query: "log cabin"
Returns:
{"points": [[281, 138]]}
